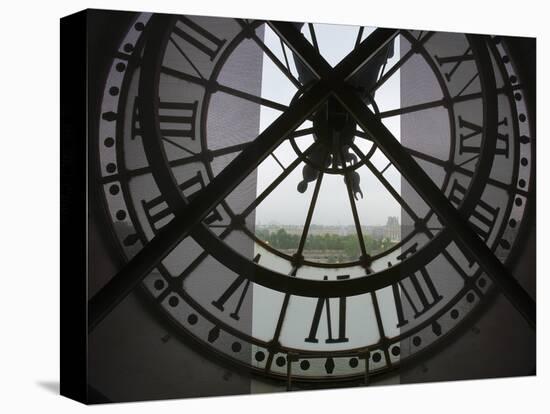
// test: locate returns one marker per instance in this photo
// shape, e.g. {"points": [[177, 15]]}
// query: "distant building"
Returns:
{"points": [[392, 230]]}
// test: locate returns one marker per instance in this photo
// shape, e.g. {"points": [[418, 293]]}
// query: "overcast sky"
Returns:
{"points": [[285, 205]]}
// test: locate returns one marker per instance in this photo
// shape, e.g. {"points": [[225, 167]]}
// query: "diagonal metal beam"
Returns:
{"points": [[193, 213], [465, 236], [187, 216], [349, 66]]}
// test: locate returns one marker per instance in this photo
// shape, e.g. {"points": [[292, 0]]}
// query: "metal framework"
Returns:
{"points": [[330, 82]]}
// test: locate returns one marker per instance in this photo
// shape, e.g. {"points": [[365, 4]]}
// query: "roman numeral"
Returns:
{"points": [[454, 62], [470, 141], [177, 119], [423, 295], [231, 290], [484, 215], [199, 37], [324, 303], [157, 210]]}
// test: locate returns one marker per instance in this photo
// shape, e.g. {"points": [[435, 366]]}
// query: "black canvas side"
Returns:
{"points": [[73, 296]]}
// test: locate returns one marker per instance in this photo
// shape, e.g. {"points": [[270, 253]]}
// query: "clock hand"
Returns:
{"points": [[354, 179], [310, 173]]}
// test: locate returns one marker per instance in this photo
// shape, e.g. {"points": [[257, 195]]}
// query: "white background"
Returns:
{"points": [[29, 216]]}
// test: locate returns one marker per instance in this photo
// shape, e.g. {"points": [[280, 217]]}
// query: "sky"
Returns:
{"points": [[333, 206]]}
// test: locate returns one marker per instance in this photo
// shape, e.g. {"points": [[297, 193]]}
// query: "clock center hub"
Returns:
{"points": [[334, 127], [334, 130]]}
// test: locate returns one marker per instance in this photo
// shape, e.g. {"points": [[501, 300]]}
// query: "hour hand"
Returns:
{"points": [[355, 178]]}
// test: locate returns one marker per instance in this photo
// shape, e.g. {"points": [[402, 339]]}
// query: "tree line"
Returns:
{"points": [[348, 244]]}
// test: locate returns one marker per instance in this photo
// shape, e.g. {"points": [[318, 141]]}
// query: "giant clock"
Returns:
{"points": [[191, 143]]}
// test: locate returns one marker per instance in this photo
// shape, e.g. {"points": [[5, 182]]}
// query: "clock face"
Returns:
{"points": [[322, 260]]}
